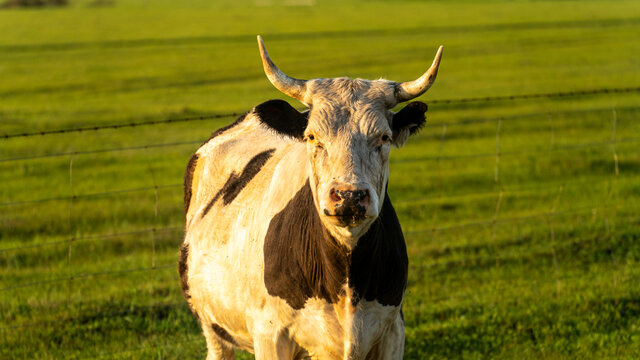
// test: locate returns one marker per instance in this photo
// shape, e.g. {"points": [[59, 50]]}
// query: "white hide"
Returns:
{"points": [[226, 261]]}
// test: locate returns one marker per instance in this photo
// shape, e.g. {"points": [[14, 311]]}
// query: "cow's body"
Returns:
{"points": [[226, 278], [279, 263]]}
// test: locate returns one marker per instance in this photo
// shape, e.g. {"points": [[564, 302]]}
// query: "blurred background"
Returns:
{"points": [[519, 200]]}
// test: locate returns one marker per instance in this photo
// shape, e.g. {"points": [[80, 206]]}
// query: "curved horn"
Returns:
{"points": [[289, 86], [411, 89]]}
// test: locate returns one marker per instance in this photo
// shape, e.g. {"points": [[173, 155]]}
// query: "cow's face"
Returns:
{"points": [[349, 135]]}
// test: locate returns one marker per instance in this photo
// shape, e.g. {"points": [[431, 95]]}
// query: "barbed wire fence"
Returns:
{"points": [[550, 95], [501, 190]]}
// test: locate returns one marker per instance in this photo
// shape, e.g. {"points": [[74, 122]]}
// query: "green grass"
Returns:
{"points": [[523, 240]]}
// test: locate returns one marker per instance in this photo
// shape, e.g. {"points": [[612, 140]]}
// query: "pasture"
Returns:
{"points": [[520, 215]]}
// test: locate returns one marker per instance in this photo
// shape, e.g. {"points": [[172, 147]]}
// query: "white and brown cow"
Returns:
{"points": [[292, 248]]}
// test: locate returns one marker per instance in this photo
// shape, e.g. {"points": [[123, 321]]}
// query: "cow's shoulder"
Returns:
{"points": [[235, 154], [273, 121]]}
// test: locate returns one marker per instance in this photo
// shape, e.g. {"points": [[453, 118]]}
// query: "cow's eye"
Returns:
{"points": [[314, 141], [383, 139]]}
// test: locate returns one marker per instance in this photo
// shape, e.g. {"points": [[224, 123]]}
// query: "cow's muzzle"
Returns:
{"points": [[347, 206]]}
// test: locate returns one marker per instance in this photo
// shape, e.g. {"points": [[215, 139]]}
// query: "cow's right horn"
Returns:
{"points": [[293, 87], [411, 89]]}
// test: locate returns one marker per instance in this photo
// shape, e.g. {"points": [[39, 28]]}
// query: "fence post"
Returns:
{"points": [[434, 220], [71, 237]]}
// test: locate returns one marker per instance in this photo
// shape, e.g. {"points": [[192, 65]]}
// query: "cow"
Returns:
{"points": [[292, 247]]}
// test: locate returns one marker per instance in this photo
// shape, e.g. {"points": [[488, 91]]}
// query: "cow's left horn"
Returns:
{"points": [[288, 85], [411, 89]]}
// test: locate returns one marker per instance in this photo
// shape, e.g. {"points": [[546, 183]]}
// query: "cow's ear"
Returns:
{"points": [[408, 121], [283, 118]]}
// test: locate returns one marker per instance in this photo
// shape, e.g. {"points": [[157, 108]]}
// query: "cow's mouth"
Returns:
{"points": [[350, 216]]}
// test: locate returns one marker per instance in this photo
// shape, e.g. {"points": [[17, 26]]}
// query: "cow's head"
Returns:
{"points": [[349, 135]]}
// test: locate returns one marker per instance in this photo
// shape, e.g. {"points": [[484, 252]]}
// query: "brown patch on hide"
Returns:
{"points": [[191, 166], [188, 180], [183, 271], [280, 116], [236, 182]]}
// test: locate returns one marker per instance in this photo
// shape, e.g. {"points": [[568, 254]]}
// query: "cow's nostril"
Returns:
{"points": [[359, 195], [335, 195], [348, 195]]}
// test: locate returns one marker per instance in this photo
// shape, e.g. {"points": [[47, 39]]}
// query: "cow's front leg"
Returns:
{"points": [[276, 346], [392, 345]]}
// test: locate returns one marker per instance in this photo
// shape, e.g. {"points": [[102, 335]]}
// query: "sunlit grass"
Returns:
{"points": [[519, 216]]}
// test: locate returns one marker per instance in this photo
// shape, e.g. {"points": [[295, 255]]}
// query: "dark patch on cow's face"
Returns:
{"points": [[183, 270], [235, 183], [188, 180], [283, 118], [302, 260], [223, 334], [410, 117]]}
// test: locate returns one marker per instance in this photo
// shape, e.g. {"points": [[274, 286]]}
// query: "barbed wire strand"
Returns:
{"points": [[480, 120], [431, 124], [608, 90], [119, 126], [101, 315], [94, 237], [511, 192], [89, 195], [514, 191], [403, 161], [519, 153], [570, 242], [98, 151], [413, 232], [520, 218], [84, 276], [416, 267]]}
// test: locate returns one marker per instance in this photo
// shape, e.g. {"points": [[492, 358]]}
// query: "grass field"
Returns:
{"points": [[521, 216]]}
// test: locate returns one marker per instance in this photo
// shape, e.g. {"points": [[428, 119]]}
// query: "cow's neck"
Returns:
{"points": [[302, 260]]}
